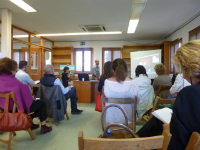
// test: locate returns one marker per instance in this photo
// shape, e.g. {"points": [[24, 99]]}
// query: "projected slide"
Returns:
{"points": [[146, 58]]}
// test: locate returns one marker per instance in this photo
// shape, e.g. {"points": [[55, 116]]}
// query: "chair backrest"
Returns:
{"points": [[161, 101], [32, 86], [123, 101], [194, 142], [4, 95], [157, 142], [161, 89]]}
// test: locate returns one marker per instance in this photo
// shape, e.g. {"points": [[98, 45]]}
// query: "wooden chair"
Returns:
{"points": [[194, 142], [161, 101], [161, 89], [156, 142], [34, 86], [4, 95], [122, 101]]}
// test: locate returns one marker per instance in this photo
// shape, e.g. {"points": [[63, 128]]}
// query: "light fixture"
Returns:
{"points": [[69, 34], [136, 12], [132, 26], [23, 5]]}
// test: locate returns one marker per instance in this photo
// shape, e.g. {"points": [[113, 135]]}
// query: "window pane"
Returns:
{"points": [[87, 60], [107, 56], [116, 55], [79, 61], [47, 58], [16, 57]]}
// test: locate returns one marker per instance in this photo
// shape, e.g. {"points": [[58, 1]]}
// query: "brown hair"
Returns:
{"points": [[120, 69], [107, 73], [66, 68], [7, 65], [160, 69], [187, 59]]}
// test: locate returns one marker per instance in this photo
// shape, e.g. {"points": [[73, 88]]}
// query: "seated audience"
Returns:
{"points": [[8, 68], [146, 90], [179, 83], [120, 86], [66, 76], [161, 79], [108, 72], [21, 74], [70, 92], [185, 118]]}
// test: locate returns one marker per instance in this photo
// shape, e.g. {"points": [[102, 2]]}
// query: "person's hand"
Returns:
{"points": [[166, 127], [175, 95], [69, 87]]}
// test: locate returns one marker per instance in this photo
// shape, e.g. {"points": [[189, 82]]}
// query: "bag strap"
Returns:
{"points": [[8, 97], [118, 125], [113, 105]]}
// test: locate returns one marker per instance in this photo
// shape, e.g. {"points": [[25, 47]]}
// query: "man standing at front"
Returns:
{"points": [[96, 71]]}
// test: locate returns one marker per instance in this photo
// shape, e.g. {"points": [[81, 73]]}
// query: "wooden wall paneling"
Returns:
{"points": [[167, 56]]}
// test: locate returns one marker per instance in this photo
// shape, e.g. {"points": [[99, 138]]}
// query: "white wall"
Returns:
{"points": [[98, 45], [184, 32]]}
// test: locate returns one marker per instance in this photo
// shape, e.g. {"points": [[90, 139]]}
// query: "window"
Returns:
{"points": [[174, 47], [110, 54], [194, 34], [83, 60]]}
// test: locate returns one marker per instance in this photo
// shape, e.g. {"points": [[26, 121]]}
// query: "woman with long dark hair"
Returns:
{"points": [[120, 86], [108, 72]]}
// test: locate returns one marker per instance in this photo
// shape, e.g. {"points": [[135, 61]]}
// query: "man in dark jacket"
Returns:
{"points": [[70, 92]]}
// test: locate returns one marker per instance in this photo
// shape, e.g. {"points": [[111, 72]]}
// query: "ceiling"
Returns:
{"points": [[159, 18]]}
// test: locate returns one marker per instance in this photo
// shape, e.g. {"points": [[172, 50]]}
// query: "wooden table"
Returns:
{"points": [[86, 90]]}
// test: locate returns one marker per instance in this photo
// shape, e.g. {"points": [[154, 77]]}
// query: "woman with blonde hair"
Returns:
{"points": [[185, 118], [120, 86], [161, 79]]}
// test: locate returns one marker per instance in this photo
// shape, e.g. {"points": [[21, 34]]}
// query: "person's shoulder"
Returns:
{"points": [[190, 90]]}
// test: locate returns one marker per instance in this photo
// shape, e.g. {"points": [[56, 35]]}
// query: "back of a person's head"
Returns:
{"points": [[48, 69], [187, 59], [108, 72], [120, 69], [7, 65], [140, 70], [22, 64], [160, 69]]}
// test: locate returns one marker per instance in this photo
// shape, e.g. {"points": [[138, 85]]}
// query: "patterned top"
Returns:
{"points": [[95, 71]]}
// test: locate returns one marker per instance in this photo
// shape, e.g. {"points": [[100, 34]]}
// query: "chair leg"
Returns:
{"points": [[31, 133], [9, 141], [14, 133], [67, 115]]}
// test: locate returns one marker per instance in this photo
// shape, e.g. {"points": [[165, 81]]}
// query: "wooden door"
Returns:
{"points": [[36, 62]]}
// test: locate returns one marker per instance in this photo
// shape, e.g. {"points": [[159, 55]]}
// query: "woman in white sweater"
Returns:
{"points": [[179, 83], [146, 90], [120, 86]]}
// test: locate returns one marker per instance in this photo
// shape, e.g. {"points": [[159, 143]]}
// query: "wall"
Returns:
{"points": [[184, 32], [98, 45]]}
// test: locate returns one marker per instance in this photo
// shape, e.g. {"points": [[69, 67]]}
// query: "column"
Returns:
{"points": [[6, 26]]}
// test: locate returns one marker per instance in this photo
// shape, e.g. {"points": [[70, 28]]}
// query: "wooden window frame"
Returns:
{"points": [[173, 50], [83, 49], [194, 32], [112, 49]]}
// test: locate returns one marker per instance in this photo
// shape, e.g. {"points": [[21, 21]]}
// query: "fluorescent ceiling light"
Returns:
{"points": [[23, 5], [136, 12], [68, 34], [132, 26], [81, 33]]}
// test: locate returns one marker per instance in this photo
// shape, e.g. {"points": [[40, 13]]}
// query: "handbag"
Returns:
{"points": [[14, 121], [98, 103]]}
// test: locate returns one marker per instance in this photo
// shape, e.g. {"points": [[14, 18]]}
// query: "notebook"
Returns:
{"points": [[163, 115], [38, 81]]}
